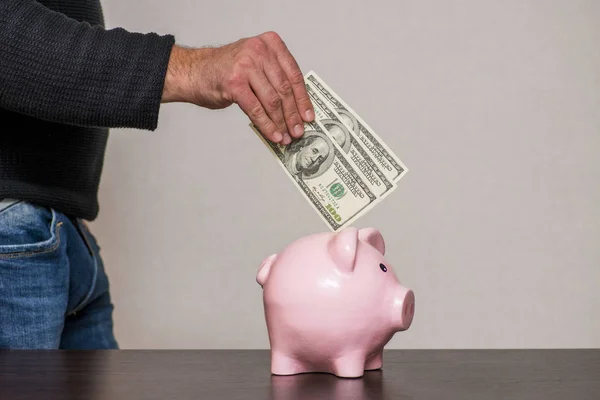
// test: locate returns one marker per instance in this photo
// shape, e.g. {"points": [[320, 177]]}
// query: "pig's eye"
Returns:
{"points": [[383, 267]]}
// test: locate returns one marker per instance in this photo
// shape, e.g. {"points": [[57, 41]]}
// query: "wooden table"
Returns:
{"points": [[233, 374]]}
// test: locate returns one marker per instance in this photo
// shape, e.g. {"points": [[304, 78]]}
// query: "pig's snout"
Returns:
{"points": [[404, 308]]}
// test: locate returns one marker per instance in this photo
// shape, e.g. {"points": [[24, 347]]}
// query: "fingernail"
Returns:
{"points": [[286, 139], [277, 137], [309, 115], [298, 130]]}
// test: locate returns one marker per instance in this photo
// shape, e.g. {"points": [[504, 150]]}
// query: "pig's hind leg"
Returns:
{"points": [[351, 365], [375, 362]]}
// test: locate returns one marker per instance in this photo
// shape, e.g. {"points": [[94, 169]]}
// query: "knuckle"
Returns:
{"points": [[305, 101], [256, 111], [253, 41], [244, 62], [256, 46], [285, 88], [296, 77], [274, 102], [293, 116], [268, 127], [271, 36]]}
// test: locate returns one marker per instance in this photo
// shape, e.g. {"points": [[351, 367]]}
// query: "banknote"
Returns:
{"points": [[387, 161], [361, 158], [319, 168]]}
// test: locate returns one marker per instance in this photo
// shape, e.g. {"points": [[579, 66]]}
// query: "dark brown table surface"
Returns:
{"points": [[244, 374]]}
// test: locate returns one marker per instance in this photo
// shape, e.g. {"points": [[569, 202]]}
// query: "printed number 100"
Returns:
{"points": [[331, 210]]}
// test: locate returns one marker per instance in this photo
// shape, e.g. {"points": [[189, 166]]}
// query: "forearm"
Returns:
{"points": [[55, 68]]}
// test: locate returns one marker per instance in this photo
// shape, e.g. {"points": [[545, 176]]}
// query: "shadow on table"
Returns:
{"points": [[326, 386]]}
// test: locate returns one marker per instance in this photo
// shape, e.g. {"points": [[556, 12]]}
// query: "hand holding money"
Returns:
{"points": [[340, 164], [257, 73]]}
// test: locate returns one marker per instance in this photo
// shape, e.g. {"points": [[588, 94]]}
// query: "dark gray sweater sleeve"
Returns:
{"points": [[57, 69]]}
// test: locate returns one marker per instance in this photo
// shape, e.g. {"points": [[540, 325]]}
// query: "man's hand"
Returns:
{"points": [[259, 74]]}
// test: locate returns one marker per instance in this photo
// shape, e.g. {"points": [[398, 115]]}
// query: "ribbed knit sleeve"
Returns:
{"points": [[58, 69]]}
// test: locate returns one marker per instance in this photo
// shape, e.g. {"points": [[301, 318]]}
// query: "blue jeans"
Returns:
{"points": [[54, 292]]}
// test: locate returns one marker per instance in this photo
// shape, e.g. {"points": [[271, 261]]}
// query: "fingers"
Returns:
{"points": [[283, 87], [294, 75], [269, 98], [251, 105], [286, 139], [269, 87]]}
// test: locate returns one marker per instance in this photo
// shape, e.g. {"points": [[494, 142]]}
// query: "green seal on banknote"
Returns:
{"points": [[337, 190]]}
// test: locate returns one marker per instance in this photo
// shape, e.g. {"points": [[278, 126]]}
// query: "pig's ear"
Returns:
{"points": [[373, 237], [343, 248], [265, 269]]}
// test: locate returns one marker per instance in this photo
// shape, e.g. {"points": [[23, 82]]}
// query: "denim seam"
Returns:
{"points": [[30, 253], [83, 233], [83, 302]]}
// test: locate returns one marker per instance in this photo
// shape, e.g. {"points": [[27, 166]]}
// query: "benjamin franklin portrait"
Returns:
{"points": [[310, 156]]}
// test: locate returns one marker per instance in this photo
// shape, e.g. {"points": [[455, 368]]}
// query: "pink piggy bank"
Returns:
{"points": [[332, 302]]}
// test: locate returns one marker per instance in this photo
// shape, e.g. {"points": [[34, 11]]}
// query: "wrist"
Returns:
{"points": [[177, 80]]}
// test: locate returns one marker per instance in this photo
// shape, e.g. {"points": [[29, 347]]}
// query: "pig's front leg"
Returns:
{"points": [[284, 365]]}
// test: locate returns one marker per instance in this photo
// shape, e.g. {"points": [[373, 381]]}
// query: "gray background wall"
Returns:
{"points": [[493, 106]]}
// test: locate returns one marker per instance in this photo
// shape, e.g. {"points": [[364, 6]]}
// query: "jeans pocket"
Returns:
{"points": [[27, 229]]}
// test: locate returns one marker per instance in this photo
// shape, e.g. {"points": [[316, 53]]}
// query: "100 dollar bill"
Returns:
{"points": [[347, 139], [320, 170], [387, 161]]}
